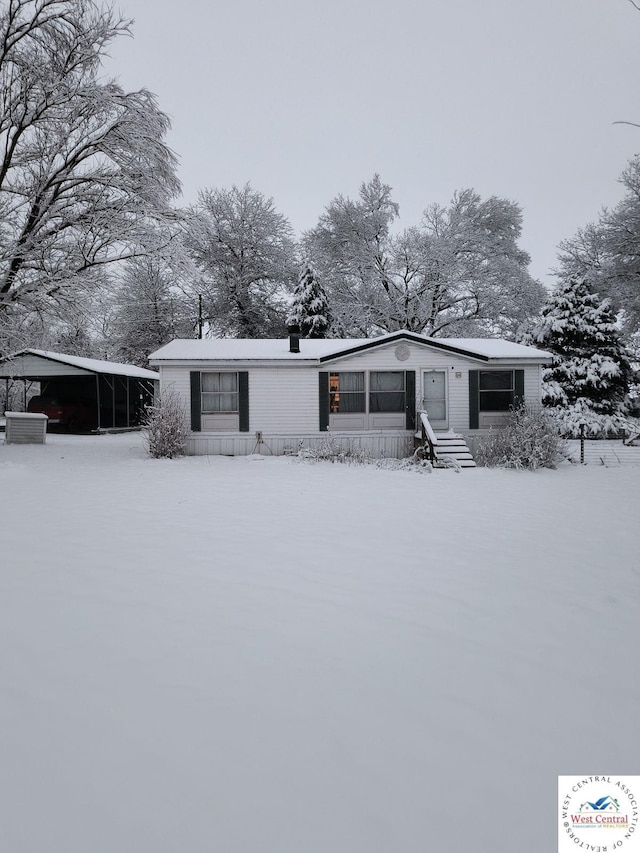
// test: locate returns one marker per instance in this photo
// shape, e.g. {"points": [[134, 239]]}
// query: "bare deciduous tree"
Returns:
{"points": [[149, 311], [607, 252], [84, 170], [246, 254], [459, 272]]}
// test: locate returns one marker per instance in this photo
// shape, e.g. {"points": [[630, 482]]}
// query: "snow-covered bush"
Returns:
{"points": [[166, 426], [348, 452], [530, 439], [330, 450], [417, 462]]}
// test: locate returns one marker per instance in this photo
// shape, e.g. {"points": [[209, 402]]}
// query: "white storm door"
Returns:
{"points": [[434, 397]]}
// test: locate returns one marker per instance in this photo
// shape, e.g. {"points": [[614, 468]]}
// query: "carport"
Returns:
{"points": [[116, 395]]}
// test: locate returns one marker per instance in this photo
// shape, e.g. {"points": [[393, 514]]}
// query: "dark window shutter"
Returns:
{"points": [[243, 400], [474, 418], [195, 401], [518, 394], [410, 398], [323, 400]]}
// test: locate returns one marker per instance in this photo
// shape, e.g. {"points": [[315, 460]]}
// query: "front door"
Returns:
{"points": [[434, 397]]}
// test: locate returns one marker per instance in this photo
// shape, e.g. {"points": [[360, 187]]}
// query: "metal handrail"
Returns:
{"points": [[428, 436]]}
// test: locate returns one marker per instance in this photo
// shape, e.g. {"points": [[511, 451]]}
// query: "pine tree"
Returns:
{"points": [[310, 309], [589, 377]]}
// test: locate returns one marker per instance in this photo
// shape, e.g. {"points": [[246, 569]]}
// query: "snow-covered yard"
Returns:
{"points": [[242, 655]]}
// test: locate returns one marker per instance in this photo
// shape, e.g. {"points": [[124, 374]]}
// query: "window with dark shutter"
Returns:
{"points": [[195, 401]]}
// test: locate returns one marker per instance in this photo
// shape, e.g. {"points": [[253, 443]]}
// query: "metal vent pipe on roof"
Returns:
{"points": [[294, 338]]}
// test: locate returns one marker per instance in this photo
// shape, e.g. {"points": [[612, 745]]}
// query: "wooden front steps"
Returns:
{"points": [[452, 446], [446, 449]]}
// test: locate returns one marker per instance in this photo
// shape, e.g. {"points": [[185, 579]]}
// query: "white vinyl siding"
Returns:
{"points": [[178, 379], [457, 369], [283, 400], [421, 358]]}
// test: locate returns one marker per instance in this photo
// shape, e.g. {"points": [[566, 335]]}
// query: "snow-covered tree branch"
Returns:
{"points": [[607, 252], [459, 272], [246, 255], [85, 177]]}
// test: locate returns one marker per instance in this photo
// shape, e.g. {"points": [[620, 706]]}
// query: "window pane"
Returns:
{"points": [[347, 381], [210, 381], [436, 410], [387, 381], [496, 390], [387, 391], [215, 402], [496, 401], [346, 392], [349, 403], [220, 381], [219, 392], [387, 402], [228, 402], [210, 402], [228, 381], [496, 380]]}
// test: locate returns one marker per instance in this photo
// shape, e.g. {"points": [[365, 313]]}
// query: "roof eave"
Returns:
{"points": [[520, 359], [85, 370], [236, 362], [407, 336]]}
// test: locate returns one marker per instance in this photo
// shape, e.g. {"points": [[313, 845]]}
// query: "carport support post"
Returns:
{"points": [[582, 444], [98, 397]]}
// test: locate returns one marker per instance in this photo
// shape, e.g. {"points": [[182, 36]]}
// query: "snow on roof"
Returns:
{"points": [[249, 349], [496, 348], [267, 349], [94, 365]]}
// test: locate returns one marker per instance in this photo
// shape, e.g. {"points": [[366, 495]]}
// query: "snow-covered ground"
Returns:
{"points": [[243, 655]]}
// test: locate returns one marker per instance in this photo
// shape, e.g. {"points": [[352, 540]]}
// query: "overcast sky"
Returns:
{"points": [[307, 99]]}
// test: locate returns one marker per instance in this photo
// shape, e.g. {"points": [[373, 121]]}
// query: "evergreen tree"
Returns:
{"points": [[589, 377], [310, 309]]}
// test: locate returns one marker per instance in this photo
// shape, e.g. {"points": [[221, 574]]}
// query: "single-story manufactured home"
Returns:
{"points": [[273, 396]]}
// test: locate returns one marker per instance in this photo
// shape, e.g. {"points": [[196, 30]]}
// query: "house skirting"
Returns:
{"points": [[378, 445]]}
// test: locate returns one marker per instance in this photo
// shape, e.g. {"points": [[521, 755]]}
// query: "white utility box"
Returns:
{"points": [[25, 428]]}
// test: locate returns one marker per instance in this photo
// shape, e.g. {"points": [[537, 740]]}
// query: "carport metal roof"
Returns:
{"points": [[34, 364]]}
